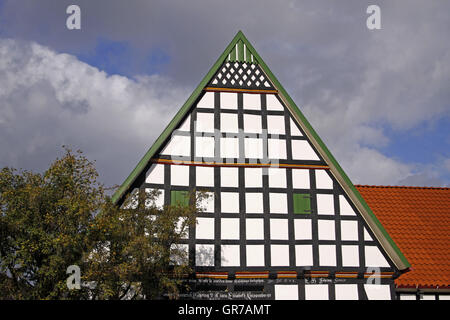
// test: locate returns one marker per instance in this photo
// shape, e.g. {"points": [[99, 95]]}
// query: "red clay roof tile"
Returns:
{"points": [[418, 219]]}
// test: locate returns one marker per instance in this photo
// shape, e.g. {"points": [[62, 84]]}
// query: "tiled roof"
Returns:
{"points": [[418, 220]]}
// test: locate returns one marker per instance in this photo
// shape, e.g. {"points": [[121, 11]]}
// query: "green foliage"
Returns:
{"points": [[62, 217], [136, 253], [44, 223]]}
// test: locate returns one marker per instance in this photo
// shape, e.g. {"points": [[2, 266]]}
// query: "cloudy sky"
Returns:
{"points": [[380, 99]]}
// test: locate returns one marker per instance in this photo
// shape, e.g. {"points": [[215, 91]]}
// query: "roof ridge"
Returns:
{"points": [[401, 187]]}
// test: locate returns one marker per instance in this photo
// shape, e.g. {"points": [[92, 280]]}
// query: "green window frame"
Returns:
{"points": [[179, 198], [302, 203]]}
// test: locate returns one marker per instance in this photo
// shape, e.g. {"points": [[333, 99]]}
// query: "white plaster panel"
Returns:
{"points": [[254, 229], [186, 125], [253, 177], [346, 291], [350, 256], [229, 123], [344, 207], [378, 291], [229, 148], [316, 292], [229, 177], [325, 204], [253, 148], [294, 129], [252, 123], [278, 203], [277, 177], [255, 255], [205, 122], [276, 148], [207, 101], [204, 176], [253, 202], [286, 292], [179, 175], [303, 255], [367, 236], [273, 104], [326, 230], [279, 229], [178, 146], [374, 257], [230, 255], [230, 202], [302, 229], [205, 228], [349, 230], [155, 174], [323, 180], [252, 101], [302, 150], [279, 255], [275, 125], [229, 228], [228, 100], [327, 255], [204, 147], [300, 178]]}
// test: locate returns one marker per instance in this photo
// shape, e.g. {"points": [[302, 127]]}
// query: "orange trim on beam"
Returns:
{"points": [[249, 165], [287, 274], [214, 275], [385, 275], [316, 274], [240, 90], [249, 274], [346, 274]]}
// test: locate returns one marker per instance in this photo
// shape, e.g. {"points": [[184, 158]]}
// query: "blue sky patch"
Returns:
{"points": [[119, 57], [425, 143]]}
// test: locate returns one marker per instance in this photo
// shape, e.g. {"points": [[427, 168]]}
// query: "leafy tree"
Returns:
{"points": [[62, 217], [136, 253], [44, 223]]}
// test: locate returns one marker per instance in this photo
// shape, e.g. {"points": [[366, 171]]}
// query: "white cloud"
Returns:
{"points": [[354, 144], [423, 179], [368, 166], [49, 99]]}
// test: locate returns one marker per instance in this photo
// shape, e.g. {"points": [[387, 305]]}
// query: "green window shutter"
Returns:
{"points": [[302, 203], [179, 197]]}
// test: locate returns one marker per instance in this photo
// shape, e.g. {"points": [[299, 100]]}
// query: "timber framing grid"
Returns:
{"points": [[282, 210]]}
